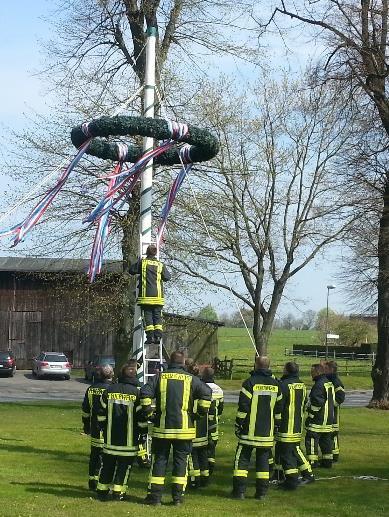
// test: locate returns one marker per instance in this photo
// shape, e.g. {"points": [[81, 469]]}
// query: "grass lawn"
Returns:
{"points": [[44, 458], [235, 343]]}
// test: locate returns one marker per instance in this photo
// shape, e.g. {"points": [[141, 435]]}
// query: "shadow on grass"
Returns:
{"points": [[58, 454], [56, 489]]}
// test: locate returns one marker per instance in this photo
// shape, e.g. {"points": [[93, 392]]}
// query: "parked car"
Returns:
{"points": [[7, 363], [97, 362], [51, 363]]}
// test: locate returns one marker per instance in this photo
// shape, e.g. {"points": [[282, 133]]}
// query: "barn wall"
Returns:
{"points": [[33, 319]]}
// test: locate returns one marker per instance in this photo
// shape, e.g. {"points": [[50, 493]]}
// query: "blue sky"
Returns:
{"points": [[21, 92]]}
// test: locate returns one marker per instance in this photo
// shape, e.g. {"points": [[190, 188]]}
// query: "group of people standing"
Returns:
{"points": [[180, 410]]}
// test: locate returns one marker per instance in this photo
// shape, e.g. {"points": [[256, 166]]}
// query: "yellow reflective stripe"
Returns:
{"points": [[241, 414], [279, 397], [156, 480], [109, 430], [339, 388], [245, 392], [241, 473], [103, 486], [101, 418], [277, 417], [117, 488], [130, 409], [237, 457], [146, 402], [327, 456], [102, 403], [85, 415], [315, 408], [291, 471], [253, 417], [149, 327], [150, 300], [292, 399], [204, 473], [185, 402], [159, 283], [173, 434], [163, 395], [204, 403], [143, 277], [158, 327], [194, 473], [262, 475], [179, 480]]}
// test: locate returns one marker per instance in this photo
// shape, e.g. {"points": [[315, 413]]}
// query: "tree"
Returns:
{"points": [[207, 313], [97, 50], [356, 41], [270, 202]]}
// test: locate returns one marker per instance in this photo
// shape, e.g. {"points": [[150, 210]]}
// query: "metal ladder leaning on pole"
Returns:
{"points": [[140, 350]]}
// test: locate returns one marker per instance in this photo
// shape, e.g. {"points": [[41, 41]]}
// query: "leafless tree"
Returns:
{"points": [[271, 201], [355, 36]]}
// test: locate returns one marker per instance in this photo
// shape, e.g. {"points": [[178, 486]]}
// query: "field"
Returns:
{"points": [[44, 457], [235, 343]]}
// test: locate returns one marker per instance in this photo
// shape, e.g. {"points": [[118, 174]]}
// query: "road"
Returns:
{"points": [[25, 387]]}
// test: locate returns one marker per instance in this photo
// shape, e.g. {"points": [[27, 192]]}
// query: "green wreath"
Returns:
{"points": [[203, 145]]}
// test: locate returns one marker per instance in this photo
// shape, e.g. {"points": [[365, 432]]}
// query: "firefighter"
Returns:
{"points": [[259, 411], [91, 426], [152, 274], [320, 420], [289, 432], [120, 418], [175, 391], [340, 395], [215, 411]]}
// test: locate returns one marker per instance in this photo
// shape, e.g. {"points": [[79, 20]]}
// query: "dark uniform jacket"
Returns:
{"points": [[260, 405], [175, 392], [152, 274], [321, 406], [120, 417], [216, 409], [294, 398], [340, 396], [90, 406]]}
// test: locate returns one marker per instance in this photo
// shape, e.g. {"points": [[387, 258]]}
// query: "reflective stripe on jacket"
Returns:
{"points": [[152, 274], [294, 393], [321, 406]]}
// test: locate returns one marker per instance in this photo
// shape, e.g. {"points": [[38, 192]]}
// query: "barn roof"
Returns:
{"points": [[53, 265]]}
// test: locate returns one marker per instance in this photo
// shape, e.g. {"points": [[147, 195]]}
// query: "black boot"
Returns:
{"points": [[92, 484], [238, 488], [177, 494], [262, 486], [335, 458], [307, 477], [326, 464]]}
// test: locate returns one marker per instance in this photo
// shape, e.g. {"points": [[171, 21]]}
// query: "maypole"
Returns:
{"points": [[145, 221]]}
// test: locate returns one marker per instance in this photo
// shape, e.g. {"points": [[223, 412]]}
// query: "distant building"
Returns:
{"points": [[38, 312], [372, 319]]}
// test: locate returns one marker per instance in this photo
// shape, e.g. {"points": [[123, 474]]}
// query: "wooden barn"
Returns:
{"points": [[42, 308]]}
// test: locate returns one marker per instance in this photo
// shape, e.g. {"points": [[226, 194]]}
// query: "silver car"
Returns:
{"points": [[51, 363]]}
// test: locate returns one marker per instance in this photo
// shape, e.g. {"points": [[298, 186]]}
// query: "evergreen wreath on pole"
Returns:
{"points": [[203, 145]]}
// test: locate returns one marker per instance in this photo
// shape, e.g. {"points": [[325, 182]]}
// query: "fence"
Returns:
{"points": [[238, 367], [333, 354]]}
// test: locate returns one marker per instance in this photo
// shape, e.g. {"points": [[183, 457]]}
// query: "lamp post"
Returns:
{"points": [[328, 295]]}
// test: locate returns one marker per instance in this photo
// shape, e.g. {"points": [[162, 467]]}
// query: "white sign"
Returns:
{"points": [[332, 336]]}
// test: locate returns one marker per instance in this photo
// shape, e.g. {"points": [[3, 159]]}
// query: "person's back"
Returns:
{"points": [[122, 425], [340, 395], [216, 409], [320, 420], [176, 392], [90, 408], [260, 404]]}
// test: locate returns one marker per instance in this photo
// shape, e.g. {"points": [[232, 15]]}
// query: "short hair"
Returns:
{"points": [[262, 361], [292, 367], [151, 250], [128, 370], [105, 372], [191, 366], [318, 367], [208, 374], [177, 357], [332, 366]]}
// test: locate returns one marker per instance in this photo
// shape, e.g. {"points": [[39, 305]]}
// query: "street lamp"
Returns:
{"points": [[328, 295]]}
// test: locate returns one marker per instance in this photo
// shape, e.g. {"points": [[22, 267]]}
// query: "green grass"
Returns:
{"points": [[44, 458], [235, 343]]}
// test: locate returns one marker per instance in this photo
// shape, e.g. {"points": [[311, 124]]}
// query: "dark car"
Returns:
{"points": [[97, 362], [7, 363]]}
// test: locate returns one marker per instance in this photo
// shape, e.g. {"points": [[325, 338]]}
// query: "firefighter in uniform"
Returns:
{"points": [[91, 426], [175, 391], [215, 411], [340, 395], [152, 274], [120, 418], [259, 411], [289, 432], [320, 420]]}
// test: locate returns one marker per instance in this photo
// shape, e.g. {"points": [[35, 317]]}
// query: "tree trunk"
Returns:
{"points": [[380, 371]]}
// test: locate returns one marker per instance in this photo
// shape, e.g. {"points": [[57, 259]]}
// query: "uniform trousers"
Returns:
{"points": [[114, 473], [314, 440], [152, 315], [241, 466], [95, 459], [198, 466], [211, 451], [160, 451]]}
